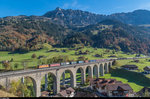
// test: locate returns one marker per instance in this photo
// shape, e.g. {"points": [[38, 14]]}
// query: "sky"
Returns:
{"points": [[40, 7]]}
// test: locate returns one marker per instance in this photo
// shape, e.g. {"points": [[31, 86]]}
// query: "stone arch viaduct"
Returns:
{"points": [[100, 69]]}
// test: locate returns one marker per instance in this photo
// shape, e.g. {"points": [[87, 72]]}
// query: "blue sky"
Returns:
{"points": [[39, 7]]}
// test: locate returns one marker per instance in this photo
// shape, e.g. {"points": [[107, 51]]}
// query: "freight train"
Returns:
{"points": [[70, 63], [86, 61]]}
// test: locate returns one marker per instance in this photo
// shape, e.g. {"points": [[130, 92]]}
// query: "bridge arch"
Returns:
{"points": [[31, 84], [95, 71], [101, 69], [48, 83], [70, 79], [88, 71], [80, 75]]}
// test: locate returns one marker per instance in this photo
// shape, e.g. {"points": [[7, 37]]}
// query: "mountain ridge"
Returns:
{"points": [[63, 27]]}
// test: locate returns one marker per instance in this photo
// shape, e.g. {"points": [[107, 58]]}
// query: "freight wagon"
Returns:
{"points": [[67, 63], [55, 65], [86, 61], [80, 62], [73, 62], [62, 64], [92, 61], [43, 66]]}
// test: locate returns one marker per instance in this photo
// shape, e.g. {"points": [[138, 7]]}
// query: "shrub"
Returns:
{"points": [[33, 56]]}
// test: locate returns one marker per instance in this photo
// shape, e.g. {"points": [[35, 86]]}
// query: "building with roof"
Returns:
{"points": [[111, 87], [147, 69], [85, 94], [123, 90], [130, 67], [69, 92]]}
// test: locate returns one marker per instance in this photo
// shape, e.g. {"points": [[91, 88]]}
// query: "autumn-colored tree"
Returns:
{"points": [[7, 66], [82, 58]]}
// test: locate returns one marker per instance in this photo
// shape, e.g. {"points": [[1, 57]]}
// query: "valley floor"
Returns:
{"points": [[134, 78]]}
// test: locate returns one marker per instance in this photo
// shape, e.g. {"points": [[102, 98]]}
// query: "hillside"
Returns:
{"points": [[23, 31], [71, 17], [69, 27], [112, 34], [80, 18], [137, 17]]}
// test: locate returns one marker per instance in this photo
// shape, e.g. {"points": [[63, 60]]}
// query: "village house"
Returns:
{"points": [[95, 83], [85, 94], [130, 67], [119, 89], [111, 87], [69, 92], [147, 69]]}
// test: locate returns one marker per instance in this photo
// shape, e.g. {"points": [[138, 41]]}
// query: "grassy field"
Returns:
{"points": [[30, 62], [136, 80]]}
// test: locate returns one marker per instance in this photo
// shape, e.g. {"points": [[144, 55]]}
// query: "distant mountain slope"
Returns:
{"points": [[83, 18], [19, 31], [113, 34], [74, 17], [69, 27], [137, 17]]}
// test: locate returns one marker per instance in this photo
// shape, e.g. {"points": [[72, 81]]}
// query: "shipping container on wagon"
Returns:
{"points": [[62, 64], [43, 66], [86, 61], [73, 62], [80, 62], [92, 60], [55, 65], [98, 60], [67, 63]]}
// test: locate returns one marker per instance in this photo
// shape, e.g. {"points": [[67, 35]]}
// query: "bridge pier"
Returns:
{"points": [[107, 68], [37, 88], [97, 72], [22, 81], [8, 83], [102, 70], [73, 80], [90, 72], [83, 76], [57, 82], [63, 80], [46, 81]]}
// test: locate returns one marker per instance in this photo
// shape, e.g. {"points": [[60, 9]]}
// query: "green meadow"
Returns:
{"points": [[136, 80], [33, 62]]}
